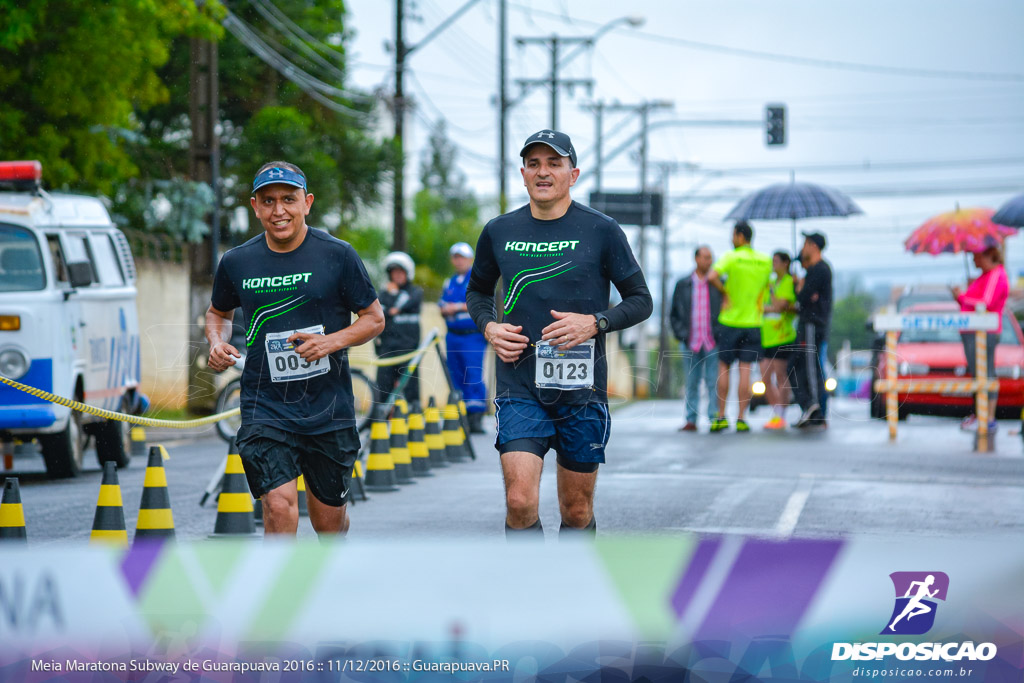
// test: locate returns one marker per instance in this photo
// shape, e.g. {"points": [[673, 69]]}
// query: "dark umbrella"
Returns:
{"points": [[791, 201], [1011, 213]]}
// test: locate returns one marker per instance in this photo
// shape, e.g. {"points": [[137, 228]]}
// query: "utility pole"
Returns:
{"points": [[598, 110], [398, 241], [553, 81], [664, 366], [204, 167], [502, 106], [642, 378]]}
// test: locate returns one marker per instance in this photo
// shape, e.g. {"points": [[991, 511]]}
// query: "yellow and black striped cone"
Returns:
{"points": [[380, 468], [418, 452], [234, 505], [155, 518], [138, 438], [12, 516], [454, 439], [108, 522], [358, 486], [400, 446], [300, 485], [433, 437]]}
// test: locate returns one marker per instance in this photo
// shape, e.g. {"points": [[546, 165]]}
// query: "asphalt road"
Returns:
{"points": [[848, 479]]}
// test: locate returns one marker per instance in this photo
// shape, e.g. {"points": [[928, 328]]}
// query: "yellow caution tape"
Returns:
{"points": [[405, 357], [112, 415]]}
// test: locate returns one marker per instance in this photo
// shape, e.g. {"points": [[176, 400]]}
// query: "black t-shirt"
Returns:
{"points": [[566, 265], [322, 282], [818, 281]]}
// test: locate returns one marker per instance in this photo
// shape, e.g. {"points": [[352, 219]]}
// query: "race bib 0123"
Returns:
{"points": [[565, 368], [286, 365]]}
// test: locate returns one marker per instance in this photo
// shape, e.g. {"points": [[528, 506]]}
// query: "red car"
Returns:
{"points": [[939, 354]]}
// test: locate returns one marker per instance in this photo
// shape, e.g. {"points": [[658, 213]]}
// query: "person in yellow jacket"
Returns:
{"points": [[778, 333]]}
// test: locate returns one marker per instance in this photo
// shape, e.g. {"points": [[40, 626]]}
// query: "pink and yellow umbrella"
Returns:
{"points": [[962, 230]]}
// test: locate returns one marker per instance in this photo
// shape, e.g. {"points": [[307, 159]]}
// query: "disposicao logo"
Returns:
{"points": [[913, 614], [916, 595]]}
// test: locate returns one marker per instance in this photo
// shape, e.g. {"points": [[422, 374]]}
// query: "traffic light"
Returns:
{"points": [[775, 124]]}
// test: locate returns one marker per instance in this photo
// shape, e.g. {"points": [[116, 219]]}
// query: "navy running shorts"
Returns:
{"points": [[577, 432], [738, 343], [272, 457]]}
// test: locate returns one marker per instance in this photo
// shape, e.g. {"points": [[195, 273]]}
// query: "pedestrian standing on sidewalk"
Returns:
{"points": [[694, 317], [990, 290], [464, 345], [814, 299], [777, 336]]}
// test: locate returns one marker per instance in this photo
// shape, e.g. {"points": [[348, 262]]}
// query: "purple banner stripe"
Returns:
{"points": [[694, 574], [139, 561], [769, 588]]}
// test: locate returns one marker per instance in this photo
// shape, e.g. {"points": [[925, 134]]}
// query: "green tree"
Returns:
{"points": [[74, 74], [849, 321], [445, 212]]}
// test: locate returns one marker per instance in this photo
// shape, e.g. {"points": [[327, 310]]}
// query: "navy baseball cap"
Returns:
{"points": [[815, 237], [559, 142], [275, 174]]}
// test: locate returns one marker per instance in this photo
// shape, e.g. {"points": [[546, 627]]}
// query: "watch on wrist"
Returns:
{"points": [[602, 322]]}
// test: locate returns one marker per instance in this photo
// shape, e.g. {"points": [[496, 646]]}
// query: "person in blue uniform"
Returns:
{"points": [[465, 345]]}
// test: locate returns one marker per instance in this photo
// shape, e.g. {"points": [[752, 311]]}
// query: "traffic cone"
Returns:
{"points": [[234, 505], [433, 437], [108, 522], [400, 446], [155, 518], [454, 439], [467, 445], [358, 487], [380, 468], [418, 452], [12, 517], [303, 505], [138, 437]]}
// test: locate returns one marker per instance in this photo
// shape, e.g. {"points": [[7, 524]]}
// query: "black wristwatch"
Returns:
{"points": [[602, 322]]}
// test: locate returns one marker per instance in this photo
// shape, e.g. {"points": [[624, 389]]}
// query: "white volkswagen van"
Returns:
{"points": [[68, 322]]}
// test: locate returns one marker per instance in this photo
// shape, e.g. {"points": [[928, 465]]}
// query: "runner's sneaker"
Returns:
{"points": [[719, 424], [775, 423], [742, 426], [807, 416], [969, 423]]}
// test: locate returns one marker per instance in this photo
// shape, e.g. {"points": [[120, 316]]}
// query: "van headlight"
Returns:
{"points": [[913, 368], [13, 364], [831, 384], [758, 389]]}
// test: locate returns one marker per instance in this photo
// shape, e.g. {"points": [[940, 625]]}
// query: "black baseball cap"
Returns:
{"points": [[557, 141], [815, 237]]}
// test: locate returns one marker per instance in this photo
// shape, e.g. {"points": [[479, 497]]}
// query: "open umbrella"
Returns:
{"points": [[792, 201], [1011, 213], [962, 230]]}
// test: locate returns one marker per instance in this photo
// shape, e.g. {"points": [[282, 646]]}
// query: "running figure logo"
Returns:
{"points": [[916, 593]]}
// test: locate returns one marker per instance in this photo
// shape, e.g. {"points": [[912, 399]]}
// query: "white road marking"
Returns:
{"points": [[794, 506]]}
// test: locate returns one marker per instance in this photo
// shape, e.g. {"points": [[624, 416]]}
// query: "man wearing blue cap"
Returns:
{"points": [[298, 289], [558, 260], [464, 344]]}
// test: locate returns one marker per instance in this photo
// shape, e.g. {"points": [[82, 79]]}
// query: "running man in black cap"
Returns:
{"points": [[814, 299], [298, 288], [557, 259]]}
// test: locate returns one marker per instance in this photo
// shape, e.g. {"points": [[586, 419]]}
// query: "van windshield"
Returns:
{"points": [[21, 264]]}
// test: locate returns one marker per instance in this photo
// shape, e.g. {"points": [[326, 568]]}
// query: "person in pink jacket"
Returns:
{"points": [[990, 289]]}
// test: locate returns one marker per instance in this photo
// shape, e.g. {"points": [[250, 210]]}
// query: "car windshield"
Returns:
{"points": [[21, 264], [948, 336]]}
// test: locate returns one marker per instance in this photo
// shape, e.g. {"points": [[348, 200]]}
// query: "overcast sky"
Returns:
{"points": [[925, 84]]}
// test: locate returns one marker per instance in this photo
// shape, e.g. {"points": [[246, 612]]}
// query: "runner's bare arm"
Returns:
{"points": [[218, 332], [368, 324]]}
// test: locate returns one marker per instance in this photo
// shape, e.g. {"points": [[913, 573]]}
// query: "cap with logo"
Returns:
{"points": [[557, 141], [461, 249], [815, 237], [275, 174]]}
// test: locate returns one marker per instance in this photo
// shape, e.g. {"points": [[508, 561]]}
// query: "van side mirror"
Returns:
{"points": [[80, 274]]}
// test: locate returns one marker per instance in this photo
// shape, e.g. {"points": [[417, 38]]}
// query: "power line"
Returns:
{"points": [[803, 61], [264, 8]]}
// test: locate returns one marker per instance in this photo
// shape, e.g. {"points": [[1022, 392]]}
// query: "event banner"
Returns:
{"points": [[668, 608]]}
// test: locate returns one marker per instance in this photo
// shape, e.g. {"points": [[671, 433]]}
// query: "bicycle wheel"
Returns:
{"points": [[230, 397]]}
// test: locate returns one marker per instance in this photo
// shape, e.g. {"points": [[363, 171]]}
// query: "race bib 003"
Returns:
{"points": [[565, 368], [286, 365]]}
